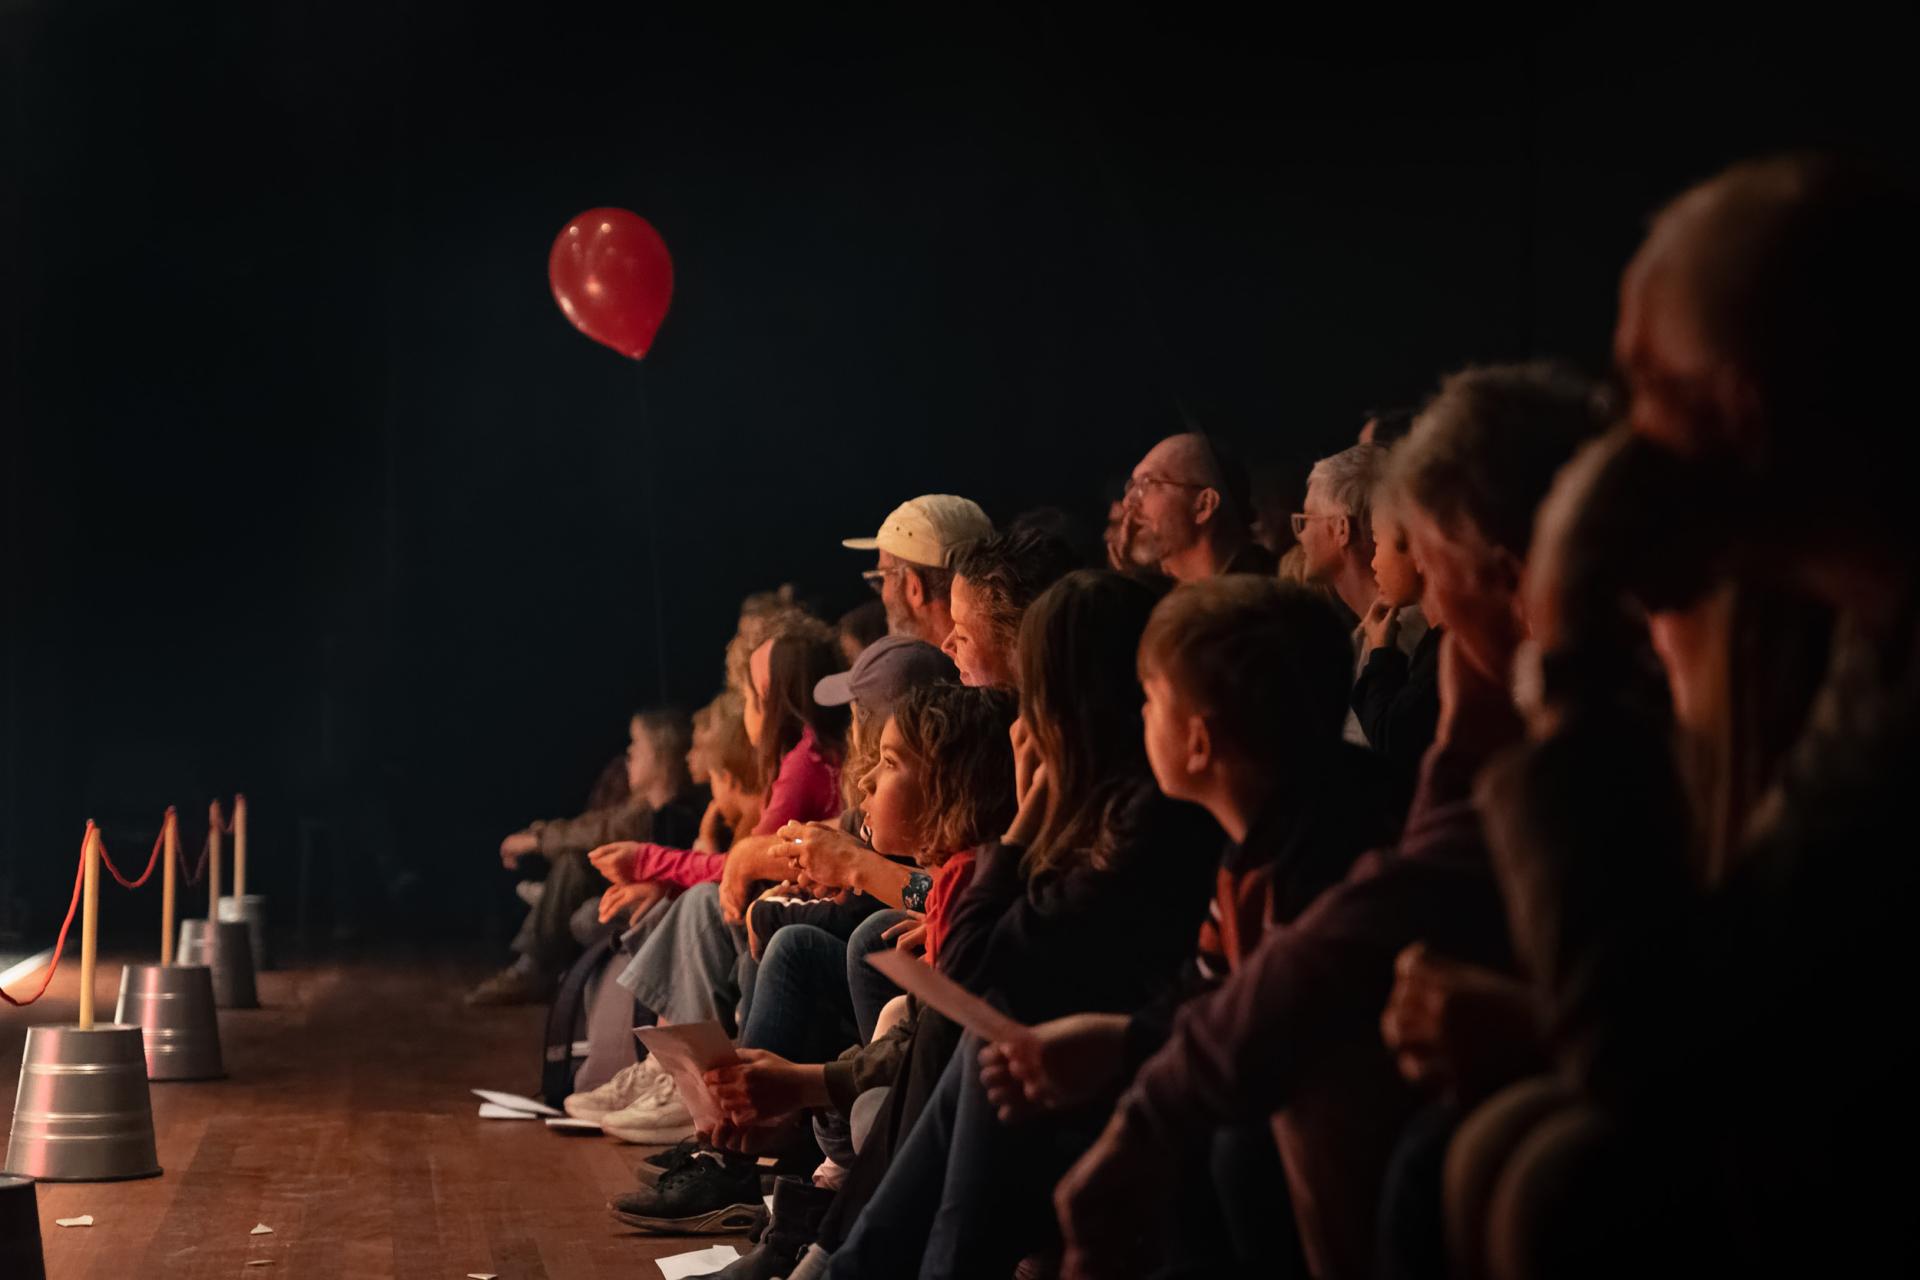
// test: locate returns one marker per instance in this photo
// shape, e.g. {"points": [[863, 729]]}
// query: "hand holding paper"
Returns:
{"points": [[687, 1051]]}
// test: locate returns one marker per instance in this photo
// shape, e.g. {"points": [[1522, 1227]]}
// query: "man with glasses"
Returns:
{"points": [[912, 578], [1190, 504]]}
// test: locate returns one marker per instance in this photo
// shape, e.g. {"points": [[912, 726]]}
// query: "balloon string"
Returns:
{"points": [[153, 859], [60, 945]]}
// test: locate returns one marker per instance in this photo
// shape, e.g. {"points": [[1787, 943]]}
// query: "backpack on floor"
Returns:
{"points": [[566, 1038]]}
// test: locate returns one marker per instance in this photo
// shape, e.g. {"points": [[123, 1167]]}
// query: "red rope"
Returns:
{"points": [[200, 869], [153, 859], [79, 878]]}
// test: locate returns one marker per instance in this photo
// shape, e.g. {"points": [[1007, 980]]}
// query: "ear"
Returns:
{"points": [[1205, 503], [1343, 531], [914, 588], [1199, 744]]}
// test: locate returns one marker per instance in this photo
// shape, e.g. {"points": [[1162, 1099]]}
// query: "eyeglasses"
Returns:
{"points": [[877, 579], [1137, 486], [1300, 519]]}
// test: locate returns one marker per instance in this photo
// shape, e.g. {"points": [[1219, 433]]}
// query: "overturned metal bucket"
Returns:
{"points": [[172, 1005], [228, 952], [20, 1257], [251, 911], [82, 1113]]}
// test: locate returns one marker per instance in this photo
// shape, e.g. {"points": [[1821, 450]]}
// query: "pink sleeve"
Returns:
{"points": [[683, 867], [807, 789]]}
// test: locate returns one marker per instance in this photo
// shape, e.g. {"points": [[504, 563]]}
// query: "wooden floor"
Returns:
{"points": [[346, 1126]]}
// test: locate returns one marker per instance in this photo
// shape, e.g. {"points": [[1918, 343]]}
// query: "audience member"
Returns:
{"points": [[1397, 696], [1190, 505], [912, 577], [860, 626], [994, 581], [659, 804], [1294, 1032]]}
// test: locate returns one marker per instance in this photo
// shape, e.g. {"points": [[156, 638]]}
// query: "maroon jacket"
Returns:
{"points": [[1294, 1034]]}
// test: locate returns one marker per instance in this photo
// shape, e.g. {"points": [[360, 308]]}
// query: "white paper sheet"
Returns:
{"points": [[261, 1229], [494, 1111], [687, 1051], [701, 1262], [84, 1220], [515, 1102], [571, 1124], [934, 989]]}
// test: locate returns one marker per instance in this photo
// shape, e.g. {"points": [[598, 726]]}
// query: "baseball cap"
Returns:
{"points": [[926, 529], [886, 671]]}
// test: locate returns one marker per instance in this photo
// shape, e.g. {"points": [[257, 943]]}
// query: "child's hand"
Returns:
{"points": [[1057, 1064], [517, 846], [630, 900], [763, 1087], [1033, 808], [825, 857], [1381, 625], [615, 860]]}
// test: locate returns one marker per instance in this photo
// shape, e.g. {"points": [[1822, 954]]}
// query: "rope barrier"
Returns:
{"points": [[153, 859], [79, 877], [199, 871]]}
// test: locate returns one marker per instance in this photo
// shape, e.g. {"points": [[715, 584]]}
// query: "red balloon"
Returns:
{"points": [[612, 276]]}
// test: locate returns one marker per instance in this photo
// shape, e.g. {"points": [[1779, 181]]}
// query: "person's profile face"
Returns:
{"points": [[1395, 571], [1673, 381], [1320, 543], [759, 681], [895, 797], [643, 762], [893, 595], [972, 643], [1164, 719]]}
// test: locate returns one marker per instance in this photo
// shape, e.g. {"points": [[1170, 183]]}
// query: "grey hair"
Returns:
{"points": [[1350, 478]]}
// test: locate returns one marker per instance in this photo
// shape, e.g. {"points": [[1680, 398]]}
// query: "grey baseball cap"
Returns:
{"points": [[885, 672]]}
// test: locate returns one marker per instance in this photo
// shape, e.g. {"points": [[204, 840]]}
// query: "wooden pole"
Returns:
{"points": [[215, 838], [89, 925], [170, 835], [239, 847]]}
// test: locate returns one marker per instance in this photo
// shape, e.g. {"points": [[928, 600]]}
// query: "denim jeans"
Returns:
{"points": [[965, 1195]]}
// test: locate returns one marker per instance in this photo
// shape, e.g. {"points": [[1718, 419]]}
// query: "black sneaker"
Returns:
{"points": [[798, 1207], [708, 1195], [673, 1157]]}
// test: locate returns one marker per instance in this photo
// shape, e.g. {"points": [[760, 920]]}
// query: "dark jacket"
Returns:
{"points": [[1304, 842], [1294, 1034], [1102, 938], [1397, 701]]}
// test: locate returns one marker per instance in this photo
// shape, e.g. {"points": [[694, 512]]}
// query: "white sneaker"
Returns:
{"points": [[656, 1118], [627, 1085]]}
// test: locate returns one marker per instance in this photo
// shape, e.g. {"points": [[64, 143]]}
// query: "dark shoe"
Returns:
{"points": [[709, 1195], [511, 986], [674, 1156], [798, 1207]]}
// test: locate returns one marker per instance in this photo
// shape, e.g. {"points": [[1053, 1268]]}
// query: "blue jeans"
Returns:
{"points": [[965, 1195], [815, 993]]}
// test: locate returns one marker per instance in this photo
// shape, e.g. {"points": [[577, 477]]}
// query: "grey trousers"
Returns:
{"points": [[690, 967]]}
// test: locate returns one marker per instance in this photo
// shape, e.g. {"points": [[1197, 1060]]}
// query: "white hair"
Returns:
{"points": [[1350, 478]]}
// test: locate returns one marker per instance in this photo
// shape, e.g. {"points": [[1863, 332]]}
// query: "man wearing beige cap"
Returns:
{"points": [[914, 543]]}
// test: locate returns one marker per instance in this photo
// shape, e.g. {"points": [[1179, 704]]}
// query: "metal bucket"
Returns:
{"points": [[20, 1257], [82, 1113], [229, 953], [173, 1007], [251, 911]]}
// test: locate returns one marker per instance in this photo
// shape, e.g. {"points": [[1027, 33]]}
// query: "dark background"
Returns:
{"points": [[311, 492]]}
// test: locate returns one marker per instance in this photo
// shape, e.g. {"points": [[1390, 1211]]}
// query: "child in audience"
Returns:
{"points": [[1397, 696], [1091, 900], [942, 782]]}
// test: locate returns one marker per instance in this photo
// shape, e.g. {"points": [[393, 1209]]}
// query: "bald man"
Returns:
{"points": [[1190, 505]]}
